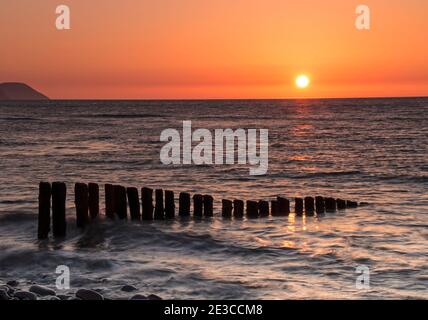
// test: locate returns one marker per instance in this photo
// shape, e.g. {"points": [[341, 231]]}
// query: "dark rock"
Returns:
{"points": [[154, 297], [86, 294], [138, 297], [64, 297], [42, 291], [25, 295], [7, 289], [4, 296], [128, 288], [54, 298], [13, 283]]}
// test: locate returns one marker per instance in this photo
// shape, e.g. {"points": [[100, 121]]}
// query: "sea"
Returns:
{"points": [[368, 150]]}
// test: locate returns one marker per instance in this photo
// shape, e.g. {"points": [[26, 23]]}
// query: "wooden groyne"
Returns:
{"points": [[118, 199]]}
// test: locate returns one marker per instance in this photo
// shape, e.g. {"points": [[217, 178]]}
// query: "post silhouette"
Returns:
{"points": [[309, 206], [330, 204], [184, 204], [283, 206], [44, 221], [319, 205], [159, 206], [120, 202], [109, 200], [81, 200], [226, 208], [197, 205], [252, 209], [263, 208], [274, 208], [341, 204], [147, 203], [94, 200], [298, 206], [134, 204], [351, 204], [208, 206], [169, 204], [238, 209], [59, 223]]}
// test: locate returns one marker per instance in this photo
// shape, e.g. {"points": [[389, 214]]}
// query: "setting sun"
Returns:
{"points": [[302, 81]]}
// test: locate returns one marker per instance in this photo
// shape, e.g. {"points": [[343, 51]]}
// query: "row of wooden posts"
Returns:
{"points": [[118, 199]]}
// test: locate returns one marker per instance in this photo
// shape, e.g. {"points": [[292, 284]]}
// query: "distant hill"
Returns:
{"points": [[19, 91]]}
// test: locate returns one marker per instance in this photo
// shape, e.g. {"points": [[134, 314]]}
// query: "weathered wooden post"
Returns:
{"points": [[109, 200], [147, 203], [198, 205], [238, 209], [274, 208], [298, 206], [330, 204], [184, 204], [283, 206], [263, 208], [44, 222], [351, 204], [319, 205], [159, 206], [309, 206], [59, 223], [169, 204], [81, 200], [226, 208], [208, 206], [341, 204], [94, 200], [252, 209], [134, 204]]}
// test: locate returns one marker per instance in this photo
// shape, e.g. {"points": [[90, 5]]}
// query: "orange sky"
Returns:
{"points": [[215, 48]]}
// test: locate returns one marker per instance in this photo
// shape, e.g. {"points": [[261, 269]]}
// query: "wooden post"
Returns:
{"points": [[120, 202], [252, 209], [274, 208], [263, 208], [109, 200], [169, 205], [309, 206], [184, 204], [159, 206], [298, 206], [134, 203], [330, 204], [81, 200], [351, 204], [341, 204], [197, 205], [94, 200], [208, 206], [44, 222], [226, 208], [283, 206], [59, 223], [147, 203], [238, 209], [319, 205]]}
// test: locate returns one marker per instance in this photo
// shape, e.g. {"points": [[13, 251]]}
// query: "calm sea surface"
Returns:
{"points": [[372, 150]]}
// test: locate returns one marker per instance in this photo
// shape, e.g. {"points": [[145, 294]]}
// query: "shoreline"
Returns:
{"points": [[15, 290]]}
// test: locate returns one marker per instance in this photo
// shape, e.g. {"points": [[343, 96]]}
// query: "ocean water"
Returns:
{"points": [[370, 150]]}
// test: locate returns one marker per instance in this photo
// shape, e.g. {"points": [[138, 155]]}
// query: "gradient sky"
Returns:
{"points": [[215, 48]]}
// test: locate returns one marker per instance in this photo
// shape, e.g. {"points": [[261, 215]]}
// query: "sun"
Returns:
{"points": [[302, 81]]}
